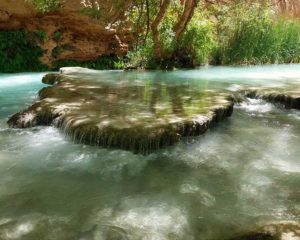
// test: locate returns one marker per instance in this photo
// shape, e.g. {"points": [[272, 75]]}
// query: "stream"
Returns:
{"points": [[241, 173]]}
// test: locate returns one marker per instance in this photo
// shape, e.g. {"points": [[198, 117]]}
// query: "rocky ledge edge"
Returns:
{"points": [[59, 105], [289, 98]]}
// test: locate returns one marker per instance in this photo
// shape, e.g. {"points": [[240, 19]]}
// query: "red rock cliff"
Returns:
{"points": [[81, 37]]}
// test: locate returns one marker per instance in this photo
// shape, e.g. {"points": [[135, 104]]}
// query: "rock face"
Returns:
{"points": [[290, 98], [71, 32], [136, 117]]}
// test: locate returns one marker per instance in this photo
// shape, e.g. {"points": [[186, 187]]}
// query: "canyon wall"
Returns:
{"points": [[70, 32]]}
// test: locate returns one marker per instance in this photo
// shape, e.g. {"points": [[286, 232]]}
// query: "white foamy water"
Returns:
{"points": [[8, 80], [256, 105]]}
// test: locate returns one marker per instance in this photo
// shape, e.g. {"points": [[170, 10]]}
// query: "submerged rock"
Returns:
{"points": [[132, 116], [290, 98]]}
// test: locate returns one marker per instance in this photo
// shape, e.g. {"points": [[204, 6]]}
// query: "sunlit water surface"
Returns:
{"points": [[241, 173]]}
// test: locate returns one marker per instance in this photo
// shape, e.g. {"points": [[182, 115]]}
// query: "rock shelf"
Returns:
{"points": [[290, 98], [136, 117]]}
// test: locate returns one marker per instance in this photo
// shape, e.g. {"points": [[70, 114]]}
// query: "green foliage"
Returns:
{"points": [[46, 5], [167, 34], [257, 38], [56, 36], [142, 56], [19, 53], [103, 62], [198, 42], [240, 32], [41, 35], [194, 48], [56, 51]]}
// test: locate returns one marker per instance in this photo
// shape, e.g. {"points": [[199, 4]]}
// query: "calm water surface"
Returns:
{"points": [[243, 172]]}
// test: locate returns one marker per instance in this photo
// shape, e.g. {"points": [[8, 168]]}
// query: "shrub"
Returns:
{"points": [[197, 44], [142, 56], [194, 48]]}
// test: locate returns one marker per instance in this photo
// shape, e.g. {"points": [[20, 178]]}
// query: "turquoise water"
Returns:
{"points": [[241, 173]]}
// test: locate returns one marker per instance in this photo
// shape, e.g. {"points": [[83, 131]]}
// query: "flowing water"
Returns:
{"points": [[241, 173]]}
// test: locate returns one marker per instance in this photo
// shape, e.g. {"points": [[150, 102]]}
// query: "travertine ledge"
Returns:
{"points": [[135, 117], [290, 97]]}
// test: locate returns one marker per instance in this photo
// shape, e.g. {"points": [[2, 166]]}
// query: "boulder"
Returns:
{"points": [[51, 78]]}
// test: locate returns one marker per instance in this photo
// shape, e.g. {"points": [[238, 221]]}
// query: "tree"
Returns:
{"points": [[179, 28], [189, 8], [155, 31]]}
